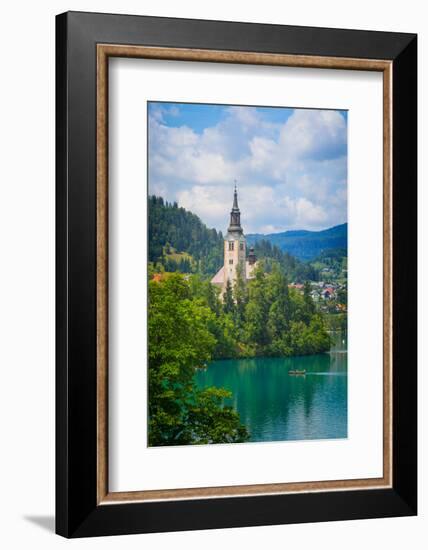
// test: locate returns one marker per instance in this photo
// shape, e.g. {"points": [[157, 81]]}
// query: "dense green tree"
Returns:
{"points": [[257, 311], [224, 331], [172, 228], [280, 313], [295, 269], [180, 342], [212, 422], [309, 306], [228, 299], [240, 293], [308, 339], [279, 321]]}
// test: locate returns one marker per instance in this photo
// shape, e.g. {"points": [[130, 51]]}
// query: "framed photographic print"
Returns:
{"points": [[236, 274]]}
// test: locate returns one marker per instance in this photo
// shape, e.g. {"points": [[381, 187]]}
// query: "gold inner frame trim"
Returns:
{"points": [[104, 51]]}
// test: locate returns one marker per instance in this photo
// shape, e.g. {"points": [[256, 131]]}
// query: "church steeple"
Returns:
{"points": [[235, 199], [235, 216], [235, 253]]}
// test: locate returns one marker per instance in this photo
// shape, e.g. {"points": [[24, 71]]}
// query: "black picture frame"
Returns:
{"points": [[77, 511]]}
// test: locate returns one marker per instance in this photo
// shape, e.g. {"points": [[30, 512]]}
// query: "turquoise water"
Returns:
{"points": [[275, 406]]}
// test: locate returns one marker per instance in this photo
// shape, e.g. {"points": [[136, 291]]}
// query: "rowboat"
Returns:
{"points": [[297, 372]]}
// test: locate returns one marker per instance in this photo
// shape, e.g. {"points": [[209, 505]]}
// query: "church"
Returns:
{"points": [[235, 252]]}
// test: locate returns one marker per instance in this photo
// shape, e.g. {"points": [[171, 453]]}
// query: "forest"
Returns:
{"points": [[189, 326], [174, 231], [180, 242]]}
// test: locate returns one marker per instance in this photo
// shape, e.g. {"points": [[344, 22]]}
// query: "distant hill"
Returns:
{"points": [[305, 245], [180, 241]]}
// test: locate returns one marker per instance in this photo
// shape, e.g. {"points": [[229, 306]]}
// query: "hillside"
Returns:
{"points": [[179, 241], [306, 245]]}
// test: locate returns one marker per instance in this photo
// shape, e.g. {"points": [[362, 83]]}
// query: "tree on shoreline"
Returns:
{"points": [[228, 300], [180, 342]]}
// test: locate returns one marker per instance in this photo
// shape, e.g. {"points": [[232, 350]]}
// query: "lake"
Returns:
{"points": [[275, 406]]}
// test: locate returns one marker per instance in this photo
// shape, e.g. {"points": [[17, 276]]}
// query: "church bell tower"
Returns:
{"points": [[234, 245], [235, 261]]}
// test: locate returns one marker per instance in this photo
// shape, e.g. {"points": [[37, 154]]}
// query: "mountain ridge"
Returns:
{"points": [[304, 244]]}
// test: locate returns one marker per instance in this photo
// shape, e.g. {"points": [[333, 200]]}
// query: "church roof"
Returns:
{"points": [[218, 277]]}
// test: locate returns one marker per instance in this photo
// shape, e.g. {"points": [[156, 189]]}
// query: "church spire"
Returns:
{"points": [[235, 199], [235, 215]]}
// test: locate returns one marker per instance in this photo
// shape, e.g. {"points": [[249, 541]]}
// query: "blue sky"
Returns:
{"points": [[290, 164]]}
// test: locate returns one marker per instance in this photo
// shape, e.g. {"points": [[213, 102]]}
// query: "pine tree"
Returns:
{"points": [[241, 295], [228, 303], [309, 303], [257, 310]]}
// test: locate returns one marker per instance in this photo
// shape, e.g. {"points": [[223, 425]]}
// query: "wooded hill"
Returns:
{"points": [[180, 242], [174, 231], [306, 245]]}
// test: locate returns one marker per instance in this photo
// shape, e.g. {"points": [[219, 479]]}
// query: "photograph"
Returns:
{"points": [[213, 272], [247, 273]]}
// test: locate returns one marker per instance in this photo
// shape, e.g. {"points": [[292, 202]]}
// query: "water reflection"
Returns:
{"points": [[276, 406]]}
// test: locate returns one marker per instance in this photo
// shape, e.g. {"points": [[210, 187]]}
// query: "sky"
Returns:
{"points": [[290, 165]]}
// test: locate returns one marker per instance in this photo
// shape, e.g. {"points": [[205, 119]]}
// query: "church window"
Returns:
{"points": [[231, 243], [241, 246], [230, 262]]}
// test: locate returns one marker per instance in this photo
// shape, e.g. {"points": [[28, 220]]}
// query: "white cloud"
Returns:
{"points": [[314, 134], [290, 176], [248, 116], [208, 202]]}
